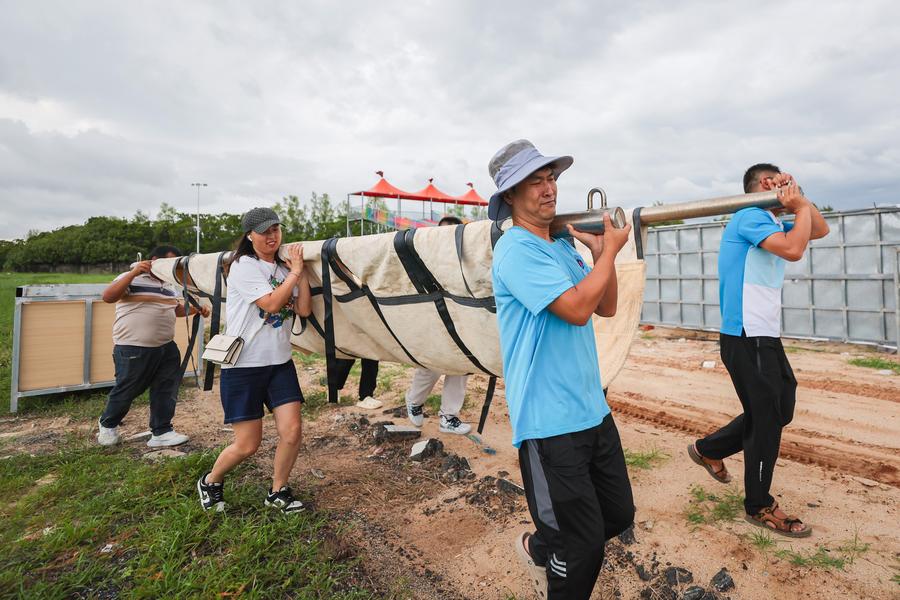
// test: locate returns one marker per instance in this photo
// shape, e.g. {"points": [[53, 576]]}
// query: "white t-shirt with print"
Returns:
{"points": [[267, 336]]}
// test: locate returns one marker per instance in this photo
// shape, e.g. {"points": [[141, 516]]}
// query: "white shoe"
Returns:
{"points": [[108, 436], [452, 424], [170, 438], [415, 413], [369, 403]]}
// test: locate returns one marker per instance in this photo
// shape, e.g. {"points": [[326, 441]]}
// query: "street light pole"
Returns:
{"points": [[198, 186]]}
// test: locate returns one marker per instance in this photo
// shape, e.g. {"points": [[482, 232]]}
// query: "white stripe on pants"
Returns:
{"points": [[452, 398]]}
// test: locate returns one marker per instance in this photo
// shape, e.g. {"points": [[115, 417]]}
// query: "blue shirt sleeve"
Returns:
{"points": [[532, 275], [788, 226], [756, 225]]}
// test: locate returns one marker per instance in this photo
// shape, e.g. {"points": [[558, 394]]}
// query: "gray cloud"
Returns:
{"points": [[107, 108]]}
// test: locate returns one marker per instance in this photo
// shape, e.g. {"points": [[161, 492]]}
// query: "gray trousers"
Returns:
{"points": [[139, 368], [452, 398]]}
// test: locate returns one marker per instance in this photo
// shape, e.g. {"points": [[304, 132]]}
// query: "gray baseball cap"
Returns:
{"points": [[259, 219], [511, 165]]}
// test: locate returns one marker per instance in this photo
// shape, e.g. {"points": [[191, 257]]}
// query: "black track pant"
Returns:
{"points": [[579, 497], [367, 380], [766, 387]]}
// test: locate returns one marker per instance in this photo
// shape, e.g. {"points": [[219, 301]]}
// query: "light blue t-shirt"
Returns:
{"points": [[750, 278], [550, 366]]}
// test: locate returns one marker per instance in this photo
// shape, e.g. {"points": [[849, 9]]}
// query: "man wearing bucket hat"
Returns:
{"points": [[573, 467]]}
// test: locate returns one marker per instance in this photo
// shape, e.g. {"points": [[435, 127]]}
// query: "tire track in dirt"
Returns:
{"points": [[864, 461], [808, 381]]}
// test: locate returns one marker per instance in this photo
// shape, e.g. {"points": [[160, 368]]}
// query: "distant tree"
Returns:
{"points": [[478, 213]]}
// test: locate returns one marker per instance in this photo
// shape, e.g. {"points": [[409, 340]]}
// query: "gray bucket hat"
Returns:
{"points": [[259, 219], [511, 165]]}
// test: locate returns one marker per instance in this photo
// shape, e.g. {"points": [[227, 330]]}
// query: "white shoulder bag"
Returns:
{"points": [[225, 349]]}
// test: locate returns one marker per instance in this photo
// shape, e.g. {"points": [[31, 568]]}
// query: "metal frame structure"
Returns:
{"points": [[682, 279], [87, 293]]}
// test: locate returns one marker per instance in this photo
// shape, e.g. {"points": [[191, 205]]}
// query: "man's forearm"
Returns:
{"points": [[798, 237], [818, 227], [582, 300], [117, 289]]}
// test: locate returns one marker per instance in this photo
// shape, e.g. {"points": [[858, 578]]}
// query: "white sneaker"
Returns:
{"points": [[370, 403], [415, 413], [452, 424], [170, 438], [107, 436]]}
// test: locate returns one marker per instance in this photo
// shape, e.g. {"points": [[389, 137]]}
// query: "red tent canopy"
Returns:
{"points": [[432, 193], [472, 197], [384, 189]]}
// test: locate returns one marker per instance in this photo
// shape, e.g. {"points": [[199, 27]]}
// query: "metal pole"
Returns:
{"points": [[198, 186], [897, 297], [347, 214], [707, 208]]}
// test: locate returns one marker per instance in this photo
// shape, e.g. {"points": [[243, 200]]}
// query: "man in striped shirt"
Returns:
{"points": [[144, 352]]}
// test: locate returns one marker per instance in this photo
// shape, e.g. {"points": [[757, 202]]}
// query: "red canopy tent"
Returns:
{"points": [[430, 193], [472, 197]]}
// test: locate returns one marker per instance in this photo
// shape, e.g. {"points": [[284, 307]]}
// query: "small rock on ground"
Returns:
{"points": [[722, 580], [678, 575]]}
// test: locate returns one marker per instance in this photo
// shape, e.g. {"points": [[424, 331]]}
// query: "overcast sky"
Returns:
{"points": [[111, 107]]}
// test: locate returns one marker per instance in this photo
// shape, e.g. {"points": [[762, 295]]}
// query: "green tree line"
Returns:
{"points": [[102, 240]]}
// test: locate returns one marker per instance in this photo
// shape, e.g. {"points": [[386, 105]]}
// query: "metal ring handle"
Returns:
{"points": [[590, 198]]}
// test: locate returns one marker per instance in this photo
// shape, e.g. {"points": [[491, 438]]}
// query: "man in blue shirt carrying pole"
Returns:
{"points": [[752, 254], [570, 454]]}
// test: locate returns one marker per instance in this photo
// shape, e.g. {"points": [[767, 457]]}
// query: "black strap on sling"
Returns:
{"points": [[330, 357], [215, 319], [492, 383], [329, 252], [425, 283], [638, 239], [459, 234], [195, 325]]}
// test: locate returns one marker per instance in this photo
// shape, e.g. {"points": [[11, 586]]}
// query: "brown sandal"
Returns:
{"points": [[767, 520], [722, 475]]}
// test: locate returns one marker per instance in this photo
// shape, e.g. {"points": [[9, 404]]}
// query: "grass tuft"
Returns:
{"points": [[706, 508], [645, 459], [876, 363]]}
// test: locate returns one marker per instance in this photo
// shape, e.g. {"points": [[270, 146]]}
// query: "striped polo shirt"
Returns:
{"points": [[145, 316]]}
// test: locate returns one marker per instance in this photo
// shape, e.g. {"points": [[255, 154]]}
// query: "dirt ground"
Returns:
{"points": [[442, 528]]}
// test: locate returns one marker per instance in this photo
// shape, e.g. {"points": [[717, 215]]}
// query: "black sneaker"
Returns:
{"points": [[211, 494], [284, 500]]}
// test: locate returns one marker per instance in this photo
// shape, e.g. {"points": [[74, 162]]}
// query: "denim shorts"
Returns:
{"points": [[245, 390]]}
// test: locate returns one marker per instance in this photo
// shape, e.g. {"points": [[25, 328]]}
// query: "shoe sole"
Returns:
{"points": [[791, 534], [287, 512], [697, 459], [538, 575], [457, 432], [166, 444]]}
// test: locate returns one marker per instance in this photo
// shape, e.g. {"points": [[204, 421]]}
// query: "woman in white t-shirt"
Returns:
{"points": [[264, 293]]}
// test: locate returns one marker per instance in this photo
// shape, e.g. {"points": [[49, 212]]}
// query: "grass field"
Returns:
{"points": [[90, 522]]}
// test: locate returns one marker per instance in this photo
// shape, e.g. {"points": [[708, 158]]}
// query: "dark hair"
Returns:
{"points": [[450, 220], [163, 251], [244, 247], [752, 174]]}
